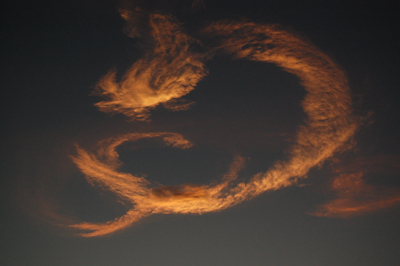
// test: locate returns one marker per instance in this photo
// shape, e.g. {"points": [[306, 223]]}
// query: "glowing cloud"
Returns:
{"points": [[356, 197], [172, 71]]}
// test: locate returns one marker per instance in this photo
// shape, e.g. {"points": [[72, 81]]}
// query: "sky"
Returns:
{"points": [[177, 132]]}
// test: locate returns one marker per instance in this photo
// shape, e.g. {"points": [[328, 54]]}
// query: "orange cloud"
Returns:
{"points": [[356, 197], [168, 72], [171, 71]]}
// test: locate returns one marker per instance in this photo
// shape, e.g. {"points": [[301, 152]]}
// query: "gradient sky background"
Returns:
{"points": [[55, 52]]}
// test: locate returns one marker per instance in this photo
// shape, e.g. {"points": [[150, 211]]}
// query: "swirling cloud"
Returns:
{"points": [[168, 72], [171, 71]]}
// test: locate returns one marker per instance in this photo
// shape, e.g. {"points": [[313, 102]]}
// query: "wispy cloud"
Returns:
{"points": [[354, 196], [171, 71]]}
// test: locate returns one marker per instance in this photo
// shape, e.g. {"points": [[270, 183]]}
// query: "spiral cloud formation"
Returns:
{"points": [[171, 71]]}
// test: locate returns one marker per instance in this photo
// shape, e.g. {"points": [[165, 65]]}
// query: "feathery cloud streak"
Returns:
{"points": [[172, 71], [354, 195]]}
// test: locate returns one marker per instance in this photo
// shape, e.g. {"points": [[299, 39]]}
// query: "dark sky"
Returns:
{"points": [[55, 52]]}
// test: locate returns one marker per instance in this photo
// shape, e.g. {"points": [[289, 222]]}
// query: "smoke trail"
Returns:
{"points": [[171, 72]]}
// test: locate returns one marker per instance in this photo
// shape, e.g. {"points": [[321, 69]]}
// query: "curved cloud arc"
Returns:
{"points": [[328, 126]]}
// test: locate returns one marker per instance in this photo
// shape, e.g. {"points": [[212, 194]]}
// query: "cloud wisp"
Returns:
{"points": [[354, 196], [170, 72]]}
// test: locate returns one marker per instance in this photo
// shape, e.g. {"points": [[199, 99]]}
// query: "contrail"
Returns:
{"points": [[170, 72]]}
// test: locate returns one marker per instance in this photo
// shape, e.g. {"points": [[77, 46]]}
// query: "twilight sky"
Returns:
{"points": [[178, 132]]}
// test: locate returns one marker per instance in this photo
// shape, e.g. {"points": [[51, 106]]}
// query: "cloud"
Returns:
{"points": [[171, 71], [356, 197]]}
